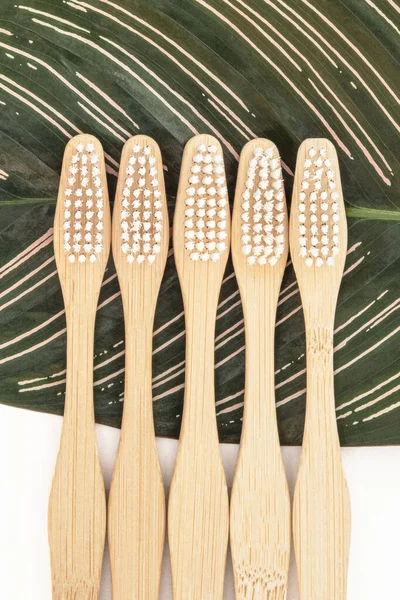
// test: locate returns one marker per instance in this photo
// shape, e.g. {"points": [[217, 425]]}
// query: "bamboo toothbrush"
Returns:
{"points": [[318, 243], [198, 501], [77, 511], [260, 505], [140, 236]]}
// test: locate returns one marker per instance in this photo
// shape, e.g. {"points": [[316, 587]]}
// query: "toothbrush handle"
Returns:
{"points": [[198, 514], [260, 504], [77, 511], [136, 514], [321, 512]]}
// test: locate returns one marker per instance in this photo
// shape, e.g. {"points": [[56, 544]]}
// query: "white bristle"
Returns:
{"points": [[205, 206], [78, 214], [318, 210], [141, 214], [263, 209]]}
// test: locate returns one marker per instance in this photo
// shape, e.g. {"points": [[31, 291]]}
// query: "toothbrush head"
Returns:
{"points": [[202, 216], [260, 225], [82, 219], [318, 231], [140, 217], [83, 205], [206, 204], [141, 202]]}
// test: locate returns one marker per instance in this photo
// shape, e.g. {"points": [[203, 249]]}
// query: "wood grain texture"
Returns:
{"points": [[321, 512], [198, 516], [77, 511], [136, 515], [260, 504]]}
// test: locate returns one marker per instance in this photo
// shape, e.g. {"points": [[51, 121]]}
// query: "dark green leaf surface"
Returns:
{"points": [[282, 69]]}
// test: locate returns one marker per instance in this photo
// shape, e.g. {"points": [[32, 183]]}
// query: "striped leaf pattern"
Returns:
{"points": [[282, 69]]}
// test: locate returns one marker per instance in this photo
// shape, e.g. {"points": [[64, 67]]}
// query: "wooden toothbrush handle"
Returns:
{"points": [[260, 524], [198, 511], [321, 511], [260, 504], [77, 510], [136, 514]]}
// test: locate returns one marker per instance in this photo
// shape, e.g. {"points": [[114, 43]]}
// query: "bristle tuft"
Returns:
{"points": [[263, 209], [83, 206], [141, 214], [318, 210], [206, 206]]}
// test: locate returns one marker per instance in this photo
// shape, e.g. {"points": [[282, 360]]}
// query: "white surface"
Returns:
{"points": [[28, 447]]}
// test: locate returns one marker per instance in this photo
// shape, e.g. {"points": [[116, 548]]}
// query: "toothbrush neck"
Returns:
{"points": [[80, 350], [138, 406], [259, 404], [139, 346], [199, 380], [320, 411]]}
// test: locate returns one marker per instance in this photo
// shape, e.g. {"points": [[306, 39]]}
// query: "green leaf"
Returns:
{"points": [[282, 69]]}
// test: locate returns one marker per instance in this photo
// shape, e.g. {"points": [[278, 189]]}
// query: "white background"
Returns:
{"points": [[28, 449]]}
